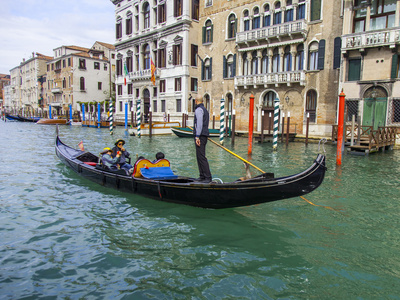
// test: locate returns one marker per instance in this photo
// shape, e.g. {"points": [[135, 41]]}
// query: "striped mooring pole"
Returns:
{"points": [[222, 122], [138, 113], [111, 117], [276, 124]]}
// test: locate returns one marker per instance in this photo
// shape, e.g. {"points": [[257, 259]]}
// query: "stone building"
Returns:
{"points": [[78, 75], [288, 49], [163, 33], [4, 81], [370, 61], [25, 93]]}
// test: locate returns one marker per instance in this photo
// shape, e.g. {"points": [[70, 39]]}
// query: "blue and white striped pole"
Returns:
{"points": [[276, 124], [111, 117], [222, 122], [138, 113]]}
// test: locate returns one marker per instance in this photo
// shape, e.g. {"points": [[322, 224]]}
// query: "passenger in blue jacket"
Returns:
{"points": [[108, 160], [119, 146], [201, 133]]}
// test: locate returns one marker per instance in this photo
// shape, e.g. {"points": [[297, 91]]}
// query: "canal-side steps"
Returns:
{"points": [[366, 140]]}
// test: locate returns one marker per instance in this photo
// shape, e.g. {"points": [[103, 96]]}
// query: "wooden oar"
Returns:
{"points": [[234, 154]]}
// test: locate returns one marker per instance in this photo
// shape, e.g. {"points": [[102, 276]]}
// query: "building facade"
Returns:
{"points": [[370, 61], [4, 81], [25, 86], [281, 50], [78, 75], [163, 34]]}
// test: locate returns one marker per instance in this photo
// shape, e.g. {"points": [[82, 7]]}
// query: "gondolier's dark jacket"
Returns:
{"points": [[201, 120]]}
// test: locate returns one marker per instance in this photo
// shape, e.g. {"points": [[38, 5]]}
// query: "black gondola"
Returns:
{"points": [[185, 190]]}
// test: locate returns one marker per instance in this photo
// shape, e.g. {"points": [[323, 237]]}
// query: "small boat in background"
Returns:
{"points": [[53, 121], [21, 119], [157, 128], [188, 132]]}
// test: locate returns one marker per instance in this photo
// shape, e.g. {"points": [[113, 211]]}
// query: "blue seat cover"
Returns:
{"points": [[158, 173]]}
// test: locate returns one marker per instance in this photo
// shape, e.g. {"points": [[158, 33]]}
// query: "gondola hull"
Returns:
{"points": [[185, 190]]}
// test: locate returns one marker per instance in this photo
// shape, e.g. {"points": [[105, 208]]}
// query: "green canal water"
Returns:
{"points": [[64, 237]]}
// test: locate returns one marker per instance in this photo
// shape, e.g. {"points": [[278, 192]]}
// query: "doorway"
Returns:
{"points": [[268, 109], [375, 104]]}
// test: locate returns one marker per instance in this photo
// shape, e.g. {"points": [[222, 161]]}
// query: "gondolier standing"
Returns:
{"points": [[201, 133]]}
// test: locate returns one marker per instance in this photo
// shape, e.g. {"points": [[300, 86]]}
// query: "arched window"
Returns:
{"points": [[264, 62], [245, 64], [146, 57], [207, 69], [246, 20], [146, 15], [311, 104], [300, 57], [82, 83], [289, 11], [268, 101], [287, 59], [267, 16], [256, 18], [301, 10], [230, 66], [118, 28], [275, 61], [313, 56], [128, 23], [208, 37], [64, 83], [231, 26], [254, 63], [277, 13]]}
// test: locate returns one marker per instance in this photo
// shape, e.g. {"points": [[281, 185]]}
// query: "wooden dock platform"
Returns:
{"points": [[366, 140]]}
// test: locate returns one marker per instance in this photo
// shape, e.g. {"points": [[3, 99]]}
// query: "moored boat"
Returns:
{"points": [[188, 132], [185, 190], [53, 121], [157, 128]]}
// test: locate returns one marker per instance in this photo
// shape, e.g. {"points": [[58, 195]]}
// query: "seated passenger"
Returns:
{"points": [[108, 160], [119, 147], [159, 156]]}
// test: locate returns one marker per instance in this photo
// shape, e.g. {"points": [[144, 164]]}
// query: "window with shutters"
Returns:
{"points": [[177, 54], [129, 63], [193, 85], [265, 62], [231, 26], [146, 15], [161, 13], [208, 32], [118, 28], [313, 56], [289, 11], [162, 58], [311, 105], [246, 20], [193, 55], [119, 67], [277, 13], [287, 57], [315, 10], [256, 18], [195, 9], [301, 10], [128, 23], [354, 69], [300, 57], [230, 66], [395, 73], [267, 16], [178, 8], [275, 61], [254, 63], [206, 69]]}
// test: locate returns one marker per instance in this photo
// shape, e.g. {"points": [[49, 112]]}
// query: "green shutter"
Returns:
{"points": [[234, 65], [395, 60], [224, 75], [236, 21], [354, 69], [204, 34], [321, 54], [210, 68], [212, 31], [202, 69], [315, 10], [337, 45]]}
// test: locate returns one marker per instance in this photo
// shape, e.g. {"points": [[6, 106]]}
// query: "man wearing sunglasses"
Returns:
{"points": [[119, 147]]}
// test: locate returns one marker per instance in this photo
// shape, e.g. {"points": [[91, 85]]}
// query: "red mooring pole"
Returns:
{"points": [[251, 123], [340, 129]]}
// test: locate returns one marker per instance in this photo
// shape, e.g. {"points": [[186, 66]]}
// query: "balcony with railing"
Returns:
{"points": [[56, 90], [290, 29], [255, 80], [376, 38], [142, 75]]}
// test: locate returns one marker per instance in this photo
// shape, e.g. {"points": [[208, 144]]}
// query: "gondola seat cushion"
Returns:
{"points": [[158, 173], [145, 163]]}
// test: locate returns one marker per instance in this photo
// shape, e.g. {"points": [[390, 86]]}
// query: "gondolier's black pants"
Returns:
{"points": [[202, 162]]}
